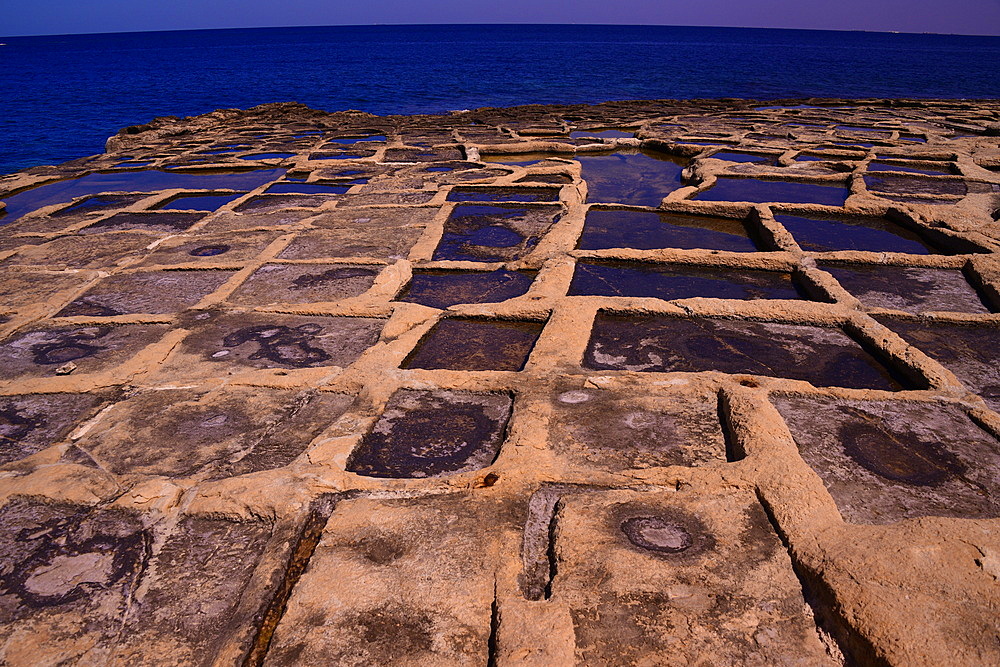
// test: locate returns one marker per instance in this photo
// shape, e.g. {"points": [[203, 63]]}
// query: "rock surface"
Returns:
{"points": [[638, 383]]}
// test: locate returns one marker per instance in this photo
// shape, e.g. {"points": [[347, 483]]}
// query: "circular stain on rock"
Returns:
{"points": [[900, 458], [68, 346], [49, 354], [657, 533], [577, 396], [209, 250], [670, 532]]}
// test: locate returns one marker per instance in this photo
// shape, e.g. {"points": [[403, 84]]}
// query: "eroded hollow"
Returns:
{"points": [[650, 230], [971, 352], [665, 281], [914, 185], [651, 343], [886, 461], [737, 156], [308, 188], [162, 221], [146, 292], [432, 433], [761, 191], [822, 234], [521, 159], [304, 283], [271, 202], [475, 345], [907, 167], [908, 288], [199, 202], [640, 178], [484, 194], [441, 289], [601, 134], [340, 155], [493, 233]]}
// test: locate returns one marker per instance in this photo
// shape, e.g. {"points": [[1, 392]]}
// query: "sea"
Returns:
{"points": [[62, 96]]}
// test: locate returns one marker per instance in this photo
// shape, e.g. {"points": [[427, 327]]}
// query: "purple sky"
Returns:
{"points": [[40, 17]]}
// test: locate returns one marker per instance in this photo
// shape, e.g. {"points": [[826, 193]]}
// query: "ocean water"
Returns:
{"points": [[62, 96]]}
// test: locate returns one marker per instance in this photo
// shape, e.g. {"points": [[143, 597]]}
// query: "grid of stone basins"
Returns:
{"points": [[633, 384]]}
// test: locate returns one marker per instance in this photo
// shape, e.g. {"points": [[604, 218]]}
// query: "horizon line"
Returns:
{"points": [[421, 25]]}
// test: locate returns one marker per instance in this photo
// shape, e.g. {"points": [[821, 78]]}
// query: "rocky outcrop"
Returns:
{"points": [[643, 382]]}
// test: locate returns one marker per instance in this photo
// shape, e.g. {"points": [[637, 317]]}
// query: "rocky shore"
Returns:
{"points": [[636, 383]]}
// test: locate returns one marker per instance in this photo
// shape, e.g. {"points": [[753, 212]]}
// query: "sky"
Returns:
{"points": [[54, 17]]}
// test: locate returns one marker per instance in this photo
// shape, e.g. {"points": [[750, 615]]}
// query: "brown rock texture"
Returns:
{"points": [[639, 383]]}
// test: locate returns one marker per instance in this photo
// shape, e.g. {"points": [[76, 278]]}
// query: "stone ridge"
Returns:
{"points": [[648, 382]]}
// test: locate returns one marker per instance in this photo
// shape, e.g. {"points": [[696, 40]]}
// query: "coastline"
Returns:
{"points": [[545, 384]]}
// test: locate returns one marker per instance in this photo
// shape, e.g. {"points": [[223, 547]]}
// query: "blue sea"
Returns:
{"points": [[62, 96]]}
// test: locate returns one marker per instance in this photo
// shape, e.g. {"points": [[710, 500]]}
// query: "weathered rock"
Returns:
{"points": [[637, 383]]}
